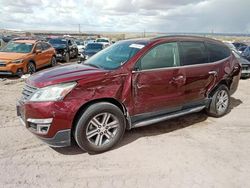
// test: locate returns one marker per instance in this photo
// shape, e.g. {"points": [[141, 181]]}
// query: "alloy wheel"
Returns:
{"points": [[222, 101], [102, 129]]}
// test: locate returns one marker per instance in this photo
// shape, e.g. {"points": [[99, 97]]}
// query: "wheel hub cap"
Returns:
{"points": [[102, 129]]}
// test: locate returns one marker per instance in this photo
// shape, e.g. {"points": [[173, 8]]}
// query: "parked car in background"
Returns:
{"points": [[26, 56], [239, 45], [246, 53], [104, 41], [91, 49], [242, 49], [133, 83], [245, 73], [81, 45], [66, 48], [4, 41]]}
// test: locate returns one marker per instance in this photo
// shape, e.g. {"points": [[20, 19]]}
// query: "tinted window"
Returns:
{"points": [[217, 52], [161, 56], [193, 53], [95, 46], [58, 41]]}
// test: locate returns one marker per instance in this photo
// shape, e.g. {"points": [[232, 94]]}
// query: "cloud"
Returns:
{"points": [[127, 15]]}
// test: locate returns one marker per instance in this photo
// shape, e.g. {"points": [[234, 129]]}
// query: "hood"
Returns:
{"points": [[66, 73], [9, 56]]}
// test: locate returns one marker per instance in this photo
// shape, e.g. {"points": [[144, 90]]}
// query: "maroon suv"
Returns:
{"points": [[132, 83]]}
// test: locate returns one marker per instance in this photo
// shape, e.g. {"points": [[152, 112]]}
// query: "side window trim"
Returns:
{"points": [[137, 66]]}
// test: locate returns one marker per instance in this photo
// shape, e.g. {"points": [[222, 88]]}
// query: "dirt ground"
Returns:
{"points": [[191, 151]]}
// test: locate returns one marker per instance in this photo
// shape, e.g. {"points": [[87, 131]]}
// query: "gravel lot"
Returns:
{"points": [[191, 151]]}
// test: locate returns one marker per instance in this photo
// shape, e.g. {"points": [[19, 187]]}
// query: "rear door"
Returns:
{"points": [[47, 53], [158, 81], [200, 74], [39, 59]]}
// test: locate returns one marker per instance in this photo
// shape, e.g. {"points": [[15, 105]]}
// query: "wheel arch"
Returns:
{"points": [[109, 100], [30, 61], [226, 82]]}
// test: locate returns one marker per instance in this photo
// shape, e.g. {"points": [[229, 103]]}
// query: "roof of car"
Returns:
{"points": [[26, 41]]}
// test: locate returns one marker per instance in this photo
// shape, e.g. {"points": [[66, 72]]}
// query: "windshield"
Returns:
{"points": [[58, 41], [115, 55], [94, 46], [102, 40], [17, 47]]}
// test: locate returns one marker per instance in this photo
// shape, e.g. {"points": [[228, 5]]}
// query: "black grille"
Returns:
{"points": [[2, 65], [28, 91]]}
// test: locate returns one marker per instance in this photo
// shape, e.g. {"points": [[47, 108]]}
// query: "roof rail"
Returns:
{"points": [[178, 35]]}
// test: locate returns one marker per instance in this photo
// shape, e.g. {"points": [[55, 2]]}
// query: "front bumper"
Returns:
{"points": [[11, 68], [48, 121]]}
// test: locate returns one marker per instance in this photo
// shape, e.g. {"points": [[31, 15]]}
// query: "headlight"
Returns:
{"points": [[17, 61], [53, 93]]}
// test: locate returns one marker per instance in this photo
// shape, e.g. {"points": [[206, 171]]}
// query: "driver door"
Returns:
{"points": [[158, 82]]}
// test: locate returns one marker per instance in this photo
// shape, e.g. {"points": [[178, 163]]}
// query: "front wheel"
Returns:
{"points": [[100, 127], [220, 102], [31, 68]]}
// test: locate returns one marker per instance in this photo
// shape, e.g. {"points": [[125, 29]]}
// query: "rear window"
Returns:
{"points": [[193, 53], [217, 52]]}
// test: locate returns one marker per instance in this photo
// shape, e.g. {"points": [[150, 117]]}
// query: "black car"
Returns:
{"points": [[91, 49], [65, 48], [245, 73], [239, 45]]}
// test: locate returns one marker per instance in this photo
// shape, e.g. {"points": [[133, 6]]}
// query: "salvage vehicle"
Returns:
{"points": [[26, 56], [245, 73], [66, 48], [130, 84]]}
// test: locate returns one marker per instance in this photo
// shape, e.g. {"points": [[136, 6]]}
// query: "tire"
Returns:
{"points": [[53, 62], [19, 73], [220, 103], [101, 136], [67, 58], [31, 68]]}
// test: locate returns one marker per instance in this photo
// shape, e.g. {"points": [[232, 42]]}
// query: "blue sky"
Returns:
{"points": [[230, 16]]}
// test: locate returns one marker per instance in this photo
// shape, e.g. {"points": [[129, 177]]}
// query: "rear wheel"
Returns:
{"points": [[100, 127], [53, 62], [220, 102], [31, 68]]}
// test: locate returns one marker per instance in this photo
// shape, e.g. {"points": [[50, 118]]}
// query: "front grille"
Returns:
{"points": [[245, 67], [2, 65], [28, 91]]}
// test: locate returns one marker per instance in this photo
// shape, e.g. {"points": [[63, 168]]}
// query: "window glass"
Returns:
{"points": [[39, 46], [161, 56], [45, 46], [217, 52], [193, 53]]}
